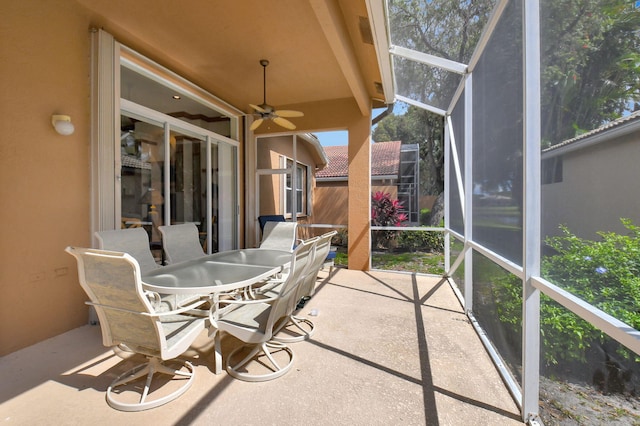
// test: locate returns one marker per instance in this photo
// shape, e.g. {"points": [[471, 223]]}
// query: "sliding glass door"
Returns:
{"points": [[163, 151], [171, 173]]}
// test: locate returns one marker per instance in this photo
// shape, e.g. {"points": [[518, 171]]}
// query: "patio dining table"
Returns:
{"points": [[217, 273]]}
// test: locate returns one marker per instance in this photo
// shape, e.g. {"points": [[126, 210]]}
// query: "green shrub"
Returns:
{"points": [[424, 215], [429, 241], [341, 238], [604, 273]]}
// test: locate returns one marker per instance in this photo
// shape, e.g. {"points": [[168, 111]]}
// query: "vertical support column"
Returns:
{"points": [[468, 192], [447, 192], [532, 212], [360, 194]]}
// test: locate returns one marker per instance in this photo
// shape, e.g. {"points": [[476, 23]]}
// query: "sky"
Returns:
{"points": [[341, 137]]}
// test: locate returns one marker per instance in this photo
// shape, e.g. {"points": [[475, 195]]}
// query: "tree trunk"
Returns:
{"points": [[437, 211]]}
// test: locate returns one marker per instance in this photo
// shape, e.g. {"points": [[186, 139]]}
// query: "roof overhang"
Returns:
{"points": [[328, 58], [606, 133]]}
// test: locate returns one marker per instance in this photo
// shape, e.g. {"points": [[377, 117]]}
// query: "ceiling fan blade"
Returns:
{"points": [[288, 113], [256, 124], [257, 108], [284, 123]]}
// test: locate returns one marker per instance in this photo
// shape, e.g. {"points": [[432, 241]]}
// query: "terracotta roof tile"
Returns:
{"points": [[605, 127], [385, 160]]}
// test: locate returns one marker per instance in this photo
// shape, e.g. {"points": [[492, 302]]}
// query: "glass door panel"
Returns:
{"points": [[187, 184], [225, 195], [141, 178], [198, 184]]}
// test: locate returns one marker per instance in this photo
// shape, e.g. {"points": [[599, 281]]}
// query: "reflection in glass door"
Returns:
{"points": [[225, 206], [188, 193], [197, 185], [141, 178]]}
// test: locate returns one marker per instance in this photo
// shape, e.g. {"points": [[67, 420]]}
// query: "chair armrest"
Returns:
{"points": [[154, 298], [214, 311], [179, 311], [185, 308], [269, 285], [246, 301]]}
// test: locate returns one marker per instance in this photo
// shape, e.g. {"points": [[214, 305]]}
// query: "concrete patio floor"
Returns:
{"points": [[389, 349]]}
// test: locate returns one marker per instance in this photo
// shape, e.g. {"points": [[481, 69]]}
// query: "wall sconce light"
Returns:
{"points": [[62, 124]]}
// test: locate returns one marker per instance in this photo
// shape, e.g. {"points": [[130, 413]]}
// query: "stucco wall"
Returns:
{"points": [[269, 150], [44, 177], [331, 201], [599, 186]]}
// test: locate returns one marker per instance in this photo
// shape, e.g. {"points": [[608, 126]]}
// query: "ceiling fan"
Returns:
{"points": [[267, 112]]}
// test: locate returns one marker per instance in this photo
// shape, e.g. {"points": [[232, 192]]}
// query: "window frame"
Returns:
{"points": [[303, 188], [108, 56]]}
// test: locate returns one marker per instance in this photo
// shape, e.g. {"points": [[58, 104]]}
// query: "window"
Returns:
{"points": [[552, 170], [297, 180]]}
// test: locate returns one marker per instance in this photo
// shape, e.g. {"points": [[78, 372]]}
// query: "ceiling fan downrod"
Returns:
{"points": [[264, 64]]}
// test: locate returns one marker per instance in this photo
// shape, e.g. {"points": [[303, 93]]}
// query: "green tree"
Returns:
{"points": [[423, 128], [591, 64], [445, 29], [590, 75]]}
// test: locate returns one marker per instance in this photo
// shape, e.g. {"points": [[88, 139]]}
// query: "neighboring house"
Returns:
{"points": [[578, 174], [394, 170]]}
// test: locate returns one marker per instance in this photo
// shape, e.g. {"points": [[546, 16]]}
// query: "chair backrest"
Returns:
{"points": [[181, 242], [323, 246], [287, 300], [113, 283], [134, 241], [279, 235], [262, 220]]}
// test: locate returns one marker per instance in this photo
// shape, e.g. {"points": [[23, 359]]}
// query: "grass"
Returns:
{"points": [[426, 263]]}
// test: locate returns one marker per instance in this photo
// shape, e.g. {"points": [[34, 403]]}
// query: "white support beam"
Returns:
{"points": [[335, 30], [421, 105], [531, 210], [618, 330], [427, 59], [487, 33], [468, 191], [456, 166]]}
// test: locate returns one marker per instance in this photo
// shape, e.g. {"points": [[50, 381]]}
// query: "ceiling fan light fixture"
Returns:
{"points": [[266, 112]]}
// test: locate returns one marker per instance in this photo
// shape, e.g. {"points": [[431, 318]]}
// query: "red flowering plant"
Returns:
{"points": [[385, 212]]}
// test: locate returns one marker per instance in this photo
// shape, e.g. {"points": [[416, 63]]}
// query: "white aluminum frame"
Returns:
{"points": [[208, 137], [526, 394], [531, 210], [108, 56]]}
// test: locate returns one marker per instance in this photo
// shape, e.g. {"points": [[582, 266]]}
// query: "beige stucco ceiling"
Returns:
{"points": [[315, 47]]}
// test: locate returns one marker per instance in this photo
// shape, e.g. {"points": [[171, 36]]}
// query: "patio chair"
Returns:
{"points": [[303, 328], [181, 242], [134, 241], [323, 248], [128, 319], [298, 328], [253, 322], [279, 236], [262, 220]]}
